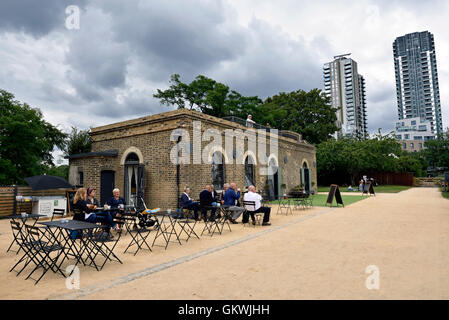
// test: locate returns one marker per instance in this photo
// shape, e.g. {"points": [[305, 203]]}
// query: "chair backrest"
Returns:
{"points": [[57, 212], [250, 204], [15, 226], [78, 215]]}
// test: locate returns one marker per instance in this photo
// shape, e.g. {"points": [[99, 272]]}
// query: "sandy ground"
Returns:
{"points": [[319, 253]]}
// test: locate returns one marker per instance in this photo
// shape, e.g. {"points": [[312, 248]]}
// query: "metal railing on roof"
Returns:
{"points": [[284, 133]]}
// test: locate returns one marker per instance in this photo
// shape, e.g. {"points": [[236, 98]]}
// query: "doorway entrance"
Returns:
{"points": [[107, 184]]}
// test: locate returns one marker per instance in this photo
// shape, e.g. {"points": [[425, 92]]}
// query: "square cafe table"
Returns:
{"points": [[63, 230], [165, 228], [225, 215], [22, 220]]}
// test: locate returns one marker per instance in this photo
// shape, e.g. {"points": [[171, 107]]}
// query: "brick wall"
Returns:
{"points": [[151, 136]]}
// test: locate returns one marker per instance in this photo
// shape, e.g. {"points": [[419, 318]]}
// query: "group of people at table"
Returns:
{"points": [[88, 205], [230, 197]]}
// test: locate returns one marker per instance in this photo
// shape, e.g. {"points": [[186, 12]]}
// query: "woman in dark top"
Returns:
{"points": [[81, 203]]}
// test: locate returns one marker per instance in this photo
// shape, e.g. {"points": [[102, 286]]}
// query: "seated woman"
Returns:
{"points": [[80, 203], [115, 202]]}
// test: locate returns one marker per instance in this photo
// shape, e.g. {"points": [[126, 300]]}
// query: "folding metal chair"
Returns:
{"points": [[257, 215], [222, 220], [105, 247], [284, 205], [17, 236], [186, 223], [40, 252], [209, 225], [138, 235], [57, 212]]}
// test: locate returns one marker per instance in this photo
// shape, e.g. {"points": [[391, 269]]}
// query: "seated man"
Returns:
{"points": [[187, 203], [251, 195], [230, 198], [206, 200]]}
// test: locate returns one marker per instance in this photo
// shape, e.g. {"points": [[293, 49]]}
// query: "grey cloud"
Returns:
{"points": [[186, 37], [36, 17], [273, 62]]}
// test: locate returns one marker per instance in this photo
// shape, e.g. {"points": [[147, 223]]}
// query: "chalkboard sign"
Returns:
{"points": [[368, 188], [70, 195], [334, 192]]}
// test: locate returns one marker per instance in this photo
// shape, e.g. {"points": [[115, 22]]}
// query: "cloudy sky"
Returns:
{"points": [[108, 70]]}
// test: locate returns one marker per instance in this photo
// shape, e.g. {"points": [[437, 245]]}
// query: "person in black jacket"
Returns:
{"points": [[206, 200], [187, 203]]}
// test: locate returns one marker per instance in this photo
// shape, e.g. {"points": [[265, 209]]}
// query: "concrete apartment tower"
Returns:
{"points": [[417, 88], [346, 88]]}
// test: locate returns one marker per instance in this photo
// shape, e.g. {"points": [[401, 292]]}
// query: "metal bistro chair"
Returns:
{"points": [[257, 216], [105, 246], [40, 252], [209, 225], [188, 223], [284, 205], [57, 212], [139, 234]]}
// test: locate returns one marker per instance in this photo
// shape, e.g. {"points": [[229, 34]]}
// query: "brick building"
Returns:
{"points": [[134, 156]]}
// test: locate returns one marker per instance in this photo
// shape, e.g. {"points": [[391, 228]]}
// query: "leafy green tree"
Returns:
{"points": [[59, 171], [308, 113], [437, 151], [26, 140], [206, 95], [346, 160], [78, 141]]}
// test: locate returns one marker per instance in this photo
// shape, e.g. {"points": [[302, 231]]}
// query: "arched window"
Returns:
{"points": [[132, 158], [134, 176], [249, 171], [218, 174]]}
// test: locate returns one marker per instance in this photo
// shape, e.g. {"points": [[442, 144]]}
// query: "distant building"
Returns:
{"points": [[412, 133], [417, 79], [346, 88]]}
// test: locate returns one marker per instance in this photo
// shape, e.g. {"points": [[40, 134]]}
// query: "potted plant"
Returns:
{"points": [[283, 187]]}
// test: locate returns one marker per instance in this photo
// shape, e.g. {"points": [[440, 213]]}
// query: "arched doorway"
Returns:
{"points": [[218, 173], [134, 180], [107, 184], [249, 171], [273, 179], [306, 178]]}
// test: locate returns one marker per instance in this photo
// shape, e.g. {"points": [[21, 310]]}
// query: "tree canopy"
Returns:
{"points": [[206, 95], [307, 113], [346, 160], [78, 141], [26, 140], [437, 151]]}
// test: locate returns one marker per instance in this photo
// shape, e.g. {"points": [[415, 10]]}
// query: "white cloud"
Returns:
{"points": [[108, 70]]}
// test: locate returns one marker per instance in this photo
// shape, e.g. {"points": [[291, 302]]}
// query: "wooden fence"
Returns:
{"points": [[392, 178], [8, 205]]}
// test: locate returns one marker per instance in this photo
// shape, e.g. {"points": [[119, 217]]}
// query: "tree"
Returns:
{"points": [[308, 113], [345, 160], [26, 140], [77, 142], [437, 150], [206, 95]]}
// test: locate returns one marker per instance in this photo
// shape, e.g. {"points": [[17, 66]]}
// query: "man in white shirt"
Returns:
{"points": [[251, 195], [250, 122]]}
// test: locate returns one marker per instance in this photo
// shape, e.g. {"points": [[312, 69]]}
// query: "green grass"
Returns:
{"points": [[378, 189], [319, 200], [444, 194]]}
